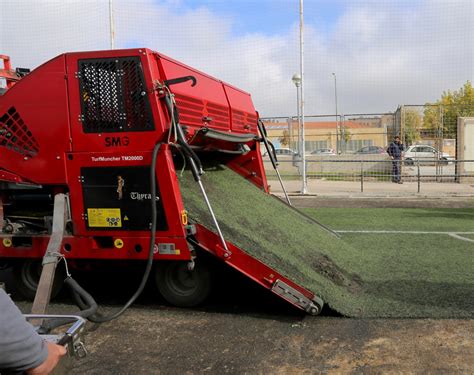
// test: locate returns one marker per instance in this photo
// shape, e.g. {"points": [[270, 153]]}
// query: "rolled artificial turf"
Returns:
{"points": [[358, 276]]}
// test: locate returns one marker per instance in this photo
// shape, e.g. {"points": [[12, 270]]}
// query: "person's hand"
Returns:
{"points": [[55, 352]]}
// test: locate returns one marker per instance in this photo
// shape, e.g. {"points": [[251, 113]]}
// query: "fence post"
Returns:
{"points": [[361, 176], [418, 173]]}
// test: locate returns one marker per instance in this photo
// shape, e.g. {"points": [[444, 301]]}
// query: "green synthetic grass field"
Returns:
{"points": [[403, 219], [359, 274], [422, 270]]}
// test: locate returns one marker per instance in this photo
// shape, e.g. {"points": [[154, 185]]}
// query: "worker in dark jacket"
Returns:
{"points": [[21, 348], [395, 150]]}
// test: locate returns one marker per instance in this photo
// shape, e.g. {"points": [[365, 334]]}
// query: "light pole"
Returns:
{"points": [[297, 81], [304, 188], [337, 118], [111, 25], [301, 146]]}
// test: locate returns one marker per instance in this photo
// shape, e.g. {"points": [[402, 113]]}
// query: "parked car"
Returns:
{"points": [[371, 150], [323, 151], [283, 152], [425, 153]]}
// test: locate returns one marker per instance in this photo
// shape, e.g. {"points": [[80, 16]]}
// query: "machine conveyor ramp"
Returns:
{"points": [[270, 242]]}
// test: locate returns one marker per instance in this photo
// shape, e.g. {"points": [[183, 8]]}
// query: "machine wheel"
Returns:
{"points": [[180, 286], [408, 162], [443, 161], [26, 277]]}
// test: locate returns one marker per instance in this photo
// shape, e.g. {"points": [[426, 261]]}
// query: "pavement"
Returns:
{"points": [[375, 189]]}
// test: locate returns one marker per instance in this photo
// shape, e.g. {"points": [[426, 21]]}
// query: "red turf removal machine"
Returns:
{"points": [[89, 140]]}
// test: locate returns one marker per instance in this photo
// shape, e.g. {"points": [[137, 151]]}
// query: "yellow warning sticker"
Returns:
{"points": [[104, 217]]}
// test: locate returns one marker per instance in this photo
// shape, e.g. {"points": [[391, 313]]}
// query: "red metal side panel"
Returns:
{"points": [[206, 99], [166, 177], [243, 114], [34, 125], [130, 248], [250, 166]]}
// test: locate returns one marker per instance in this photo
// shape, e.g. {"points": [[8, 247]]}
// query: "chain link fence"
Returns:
{"points": [[352, 147]]}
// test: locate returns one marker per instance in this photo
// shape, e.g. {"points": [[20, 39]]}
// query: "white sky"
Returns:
{"points": [[384, 53]]}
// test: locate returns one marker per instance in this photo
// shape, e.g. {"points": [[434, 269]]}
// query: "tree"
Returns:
{"points": [[285, 138], [345, 136], [442, 115], [411, 126]]}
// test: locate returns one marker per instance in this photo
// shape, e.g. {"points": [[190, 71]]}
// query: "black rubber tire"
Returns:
{"points": [[26, 275], [409, 162], [181, 287], [443, 161]]}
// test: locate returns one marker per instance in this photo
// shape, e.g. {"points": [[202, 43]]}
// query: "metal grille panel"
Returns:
{"points": [[114, 96], [15, 135], [243, 120], [192, 111]]}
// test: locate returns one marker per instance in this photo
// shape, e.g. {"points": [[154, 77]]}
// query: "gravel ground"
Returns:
{"points": [[173, 341], [163, 340]]}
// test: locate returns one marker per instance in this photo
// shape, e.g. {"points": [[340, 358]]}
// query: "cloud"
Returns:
{"points": [[383, 53]]}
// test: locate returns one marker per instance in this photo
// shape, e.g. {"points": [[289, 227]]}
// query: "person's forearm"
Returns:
{"points": [[21, 348]]}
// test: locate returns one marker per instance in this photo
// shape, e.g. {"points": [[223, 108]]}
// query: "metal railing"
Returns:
{"points": [[366, 169]]}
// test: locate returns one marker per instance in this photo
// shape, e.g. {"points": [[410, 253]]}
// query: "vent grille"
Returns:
{"points": [[15, 135], [114, 96], [192, 111], [243, 120]]}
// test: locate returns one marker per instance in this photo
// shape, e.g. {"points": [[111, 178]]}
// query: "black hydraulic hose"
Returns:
{"points": [[271, 152], [87, 303], [182, 142], [172, 111], [262, 128], [273, 157], [82, 299], [195, 162]]}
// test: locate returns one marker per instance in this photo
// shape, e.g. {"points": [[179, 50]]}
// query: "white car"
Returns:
{"points": [[283, 151], [323, 151], [425, 154]]}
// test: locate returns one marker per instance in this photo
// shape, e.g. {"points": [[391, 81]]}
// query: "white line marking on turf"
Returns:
{"points": [[400, 232], [460, 237], [456, 235]]}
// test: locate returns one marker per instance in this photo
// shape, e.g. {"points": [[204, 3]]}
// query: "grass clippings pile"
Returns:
{"points": [[400, 281]]}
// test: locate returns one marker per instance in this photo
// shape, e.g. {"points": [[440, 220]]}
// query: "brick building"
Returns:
{"points": [[352, 135]]}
